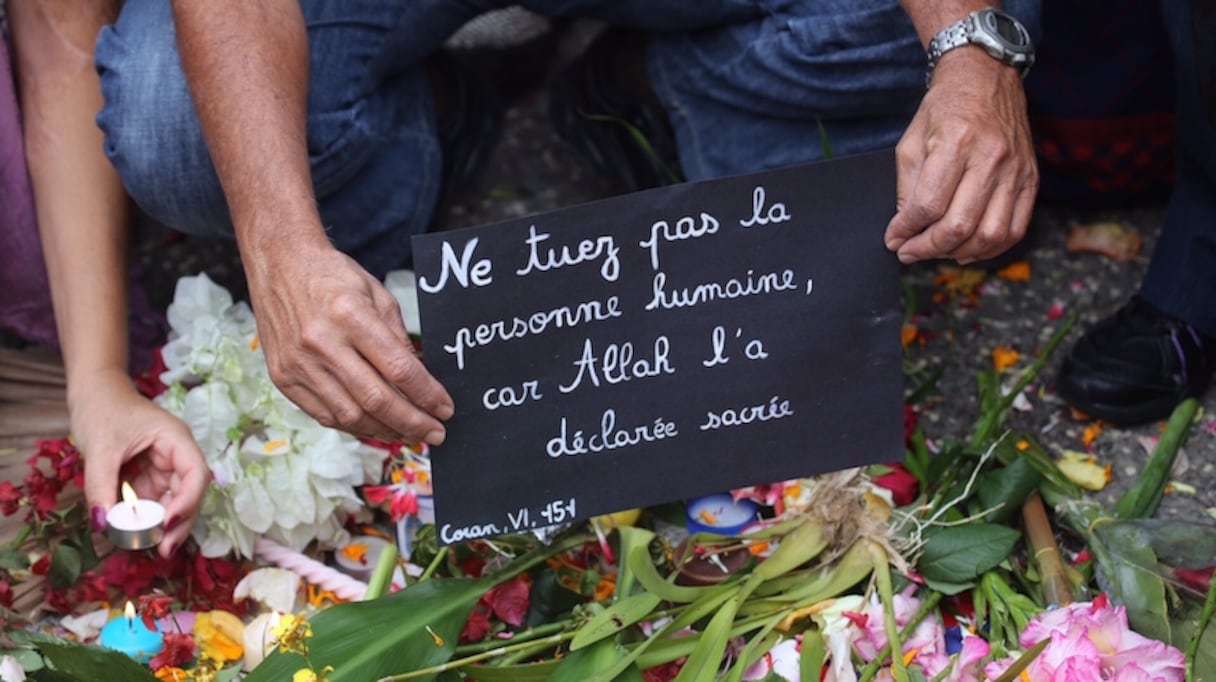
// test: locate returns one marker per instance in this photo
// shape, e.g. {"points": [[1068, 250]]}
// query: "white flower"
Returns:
{"points": [[401, 284], [277, 472], [11, 670]]}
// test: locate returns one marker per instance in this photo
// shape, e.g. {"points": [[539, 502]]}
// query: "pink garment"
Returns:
{"points": [[25, 296], [25, 293]]}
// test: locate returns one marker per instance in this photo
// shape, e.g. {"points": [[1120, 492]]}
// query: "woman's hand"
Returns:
{"points": [[123, 436]]}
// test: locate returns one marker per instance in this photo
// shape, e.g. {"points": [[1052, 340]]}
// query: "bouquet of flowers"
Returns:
{"points": [[278, 473]]}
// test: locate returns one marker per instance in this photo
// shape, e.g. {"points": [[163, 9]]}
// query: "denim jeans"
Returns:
{"points": [[746, 83], [1181, 278]]}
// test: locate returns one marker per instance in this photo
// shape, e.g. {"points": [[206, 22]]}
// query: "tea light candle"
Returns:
{"points": [[720, 514], [128, 634], [358, 557], [135, 523]]}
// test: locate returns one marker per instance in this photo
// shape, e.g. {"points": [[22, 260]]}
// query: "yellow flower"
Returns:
{"points": [[219, 635], [304, 675], [292, 633], [171, 674]]}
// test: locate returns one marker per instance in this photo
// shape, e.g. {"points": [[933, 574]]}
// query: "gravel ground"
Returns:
{"points": [[531, 171]]}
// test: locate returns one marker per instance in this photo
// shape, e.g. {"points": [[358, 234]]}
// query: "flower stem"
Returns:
{"points": [[22, 536], [886, 593], [989, 422], [1192, 649], [1142, 500], [382, 574], [525, 636], [930, 602], [434, 565], [510, 648]]}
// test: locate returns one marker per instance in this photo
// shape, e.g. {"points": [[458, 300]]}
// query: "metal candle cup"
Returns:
{"points": [[134, 523]]}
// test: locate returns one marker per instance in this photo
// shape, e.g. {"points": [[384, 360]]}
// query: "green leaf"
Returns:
{"points": [[520, 672], [646, 574], [706, 657], [79, 662], [581, 665], [28, 659], [14, 560], [629, 538], [615, 618], [550, 601], [1129, 568], [1003, 490], [413, 629], [810, 659], [228, 674], [1184, 625], [949, 588], [960, 553], [65, 566]]}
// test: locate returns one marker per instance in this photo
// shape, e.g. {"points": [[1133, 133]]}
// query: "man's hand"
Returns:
{"points": [[336, 346], [967, 177], [126, 437]]}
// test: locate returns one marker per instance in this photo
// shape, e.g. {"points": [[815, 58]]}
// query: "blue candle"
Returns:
{"points": [[130, 636], [721, 514]]}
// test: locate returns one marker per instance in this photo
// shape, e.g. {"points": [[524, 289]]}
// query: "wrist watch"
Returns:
{"points": [[997, 32]]}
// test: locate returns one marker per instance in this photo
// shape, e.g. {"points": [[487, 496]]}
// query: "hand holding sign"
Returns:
{"points": [[672, 343]]}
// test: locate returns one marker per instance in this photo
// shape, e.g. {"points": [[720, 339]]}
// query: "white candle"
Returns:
{"points": [[358, 558], [134, 523]]}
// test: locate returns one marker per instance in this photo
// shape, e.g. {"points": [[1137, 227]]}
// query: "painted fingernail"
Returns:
{"points": [[98, 518], [172, 522]]}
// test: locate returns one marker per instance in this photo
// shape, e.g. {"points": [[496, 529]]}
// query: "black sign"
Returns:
{"points": [[666, 344]]}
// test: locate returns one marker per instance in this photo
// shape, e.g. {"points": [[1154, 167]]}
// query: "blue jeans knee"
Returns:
{"points": [[372, 145]]}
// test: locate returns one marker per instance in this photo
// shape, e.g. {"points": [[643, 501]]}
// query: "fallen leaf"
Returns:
{"points": [[1015, 272], [1084, 469], [1091, 433], [1111, 239], [1003, 358]]}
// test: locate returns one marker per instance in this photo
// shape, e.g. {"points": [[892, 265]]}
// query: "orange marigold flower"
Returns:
{"points": [[1091, 432], [1003, 358], [1015, 272]]}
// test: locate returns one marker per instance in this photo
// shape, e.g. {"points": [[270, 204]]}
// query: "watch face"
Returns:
{"points": [[1006, 28]]}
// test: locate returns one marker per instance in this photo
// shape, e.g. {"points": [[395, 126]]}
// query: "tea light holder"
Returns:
{"points": [[134, 523], [721, 514], [358, 557], [128, 634]]}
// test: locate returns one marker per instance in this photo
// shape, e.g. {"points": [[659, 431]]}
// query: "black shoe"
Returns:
{"points": [[1135, 366], [622, 133]]}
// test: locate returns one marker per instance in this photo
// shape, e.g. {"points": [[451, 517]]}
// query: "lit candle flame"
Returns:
{"points": [[129, 612], [129, 496]]}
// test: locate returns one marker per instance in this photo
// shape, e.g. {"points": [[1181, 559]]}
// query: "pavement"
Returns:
{"points": [[532, 171]]}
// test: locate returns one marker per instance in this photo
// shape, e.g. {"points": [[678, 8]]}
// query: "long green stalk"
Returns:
{"points": [[468, 660], [1142, 500], [886, 593], [989, 422], [1209, 609], [927, 605]]}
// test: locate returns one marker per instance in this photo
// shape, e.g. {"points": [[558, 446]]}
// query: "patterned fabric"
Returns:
{"points": [[1101, 99]]}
